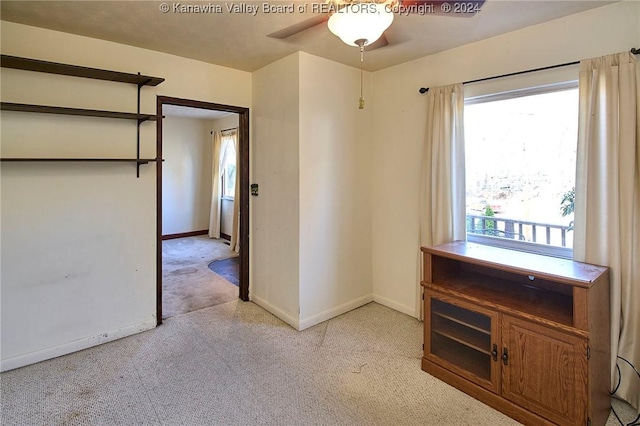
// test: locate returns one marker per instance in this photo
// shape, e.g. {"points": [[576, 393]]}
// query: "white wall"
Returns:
{"points": [[226, 206], [186, 175], [275, 167], [78, 240], [335, 190], [399, 124], [227, 122], [311, 226]]}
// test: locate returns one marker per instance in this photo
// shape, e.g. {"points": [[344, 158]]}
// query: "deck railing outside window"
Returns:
{"points": [[520, 230]]}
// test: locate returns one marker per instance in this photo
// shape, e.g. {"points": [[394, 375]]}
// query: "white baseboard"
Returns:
{"points": [[395, 305], [315, 319], [76, 345], [293, 322], [334, 312]]}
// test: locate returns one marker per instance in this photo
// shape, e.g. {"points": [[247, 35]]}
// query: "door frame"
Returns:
{"points": [[243, 142]]}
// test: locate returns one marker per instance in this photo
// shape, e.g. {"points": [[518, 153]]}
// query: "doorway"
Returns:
{"points": [[243, 196]]}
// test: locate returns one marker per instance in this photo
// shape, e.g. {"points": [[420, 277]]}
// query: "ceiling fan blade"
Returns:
{"points": [[299, 27], [381, 42], [455, 9]]}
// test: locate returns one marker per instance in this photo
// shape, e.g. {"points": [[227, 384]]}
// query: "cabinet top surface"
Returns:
{"points": [[581, 274]]}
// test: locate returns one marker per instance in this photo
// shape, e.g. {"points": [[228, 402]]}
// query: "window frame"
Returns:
{"points": [[536, 86], [223, 164]]}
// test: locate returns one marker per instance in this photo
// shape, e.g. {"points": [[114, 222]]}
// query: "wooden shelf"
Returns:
{"points": [[27, 64], [563, 271], [90, 160], [464, 323], [461, 316], [462, 356], [463, 335], [43, 109], [498, 293]]}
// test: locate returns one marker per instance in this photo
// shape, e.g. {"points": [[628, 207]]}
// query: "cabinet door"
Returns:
{"points": [[544, 371], [462, 338]]}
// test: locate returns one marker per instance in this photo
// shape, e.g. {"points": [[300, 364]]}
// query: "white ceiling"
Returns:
{"points": [[239, 40]]}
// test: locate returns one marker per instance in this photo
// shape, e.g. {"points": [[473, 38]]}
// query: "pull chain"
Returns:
{"points": [[361, 101]]}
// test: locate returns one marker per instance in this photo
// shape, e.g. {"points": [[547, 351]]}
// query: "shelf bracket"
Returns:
{"points": [[138, 131]]}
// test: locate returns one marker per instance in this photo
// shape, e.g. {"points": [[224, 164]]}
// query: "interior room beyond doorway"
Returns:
{"points": [[199, 148]]}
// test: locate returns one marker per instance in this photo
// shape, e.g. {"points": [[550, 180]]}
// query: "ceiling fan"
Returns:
{"points": [[363, 22]]}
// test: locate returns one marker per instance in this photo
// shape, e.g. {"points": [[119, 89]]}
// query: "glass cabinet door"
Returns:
{"points": [[462, 338]]}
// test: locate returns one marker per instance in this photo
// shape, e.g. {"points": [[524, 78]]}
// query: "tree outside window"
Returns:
{"points": [[228, 168]]}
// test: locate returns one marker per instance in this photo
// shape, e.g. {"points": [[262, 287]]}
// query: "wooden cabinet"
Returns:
{"points": [[525, 333], [544, 370]]}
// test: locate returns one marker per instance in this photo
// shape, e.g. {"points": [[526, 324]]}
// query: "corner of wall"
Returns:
{"points": [[334, 311], [278, 312], [389, 303]]}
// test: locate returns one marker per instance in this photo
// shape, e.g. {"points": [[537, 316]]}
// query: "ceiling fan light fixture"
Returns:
{"points": [[360, 21]]}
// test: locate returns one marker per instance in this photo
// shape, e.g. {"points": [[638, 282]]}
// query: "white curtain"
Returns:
{"points": [[214, 213], [235, 241], [442, 193], [607, 209]]}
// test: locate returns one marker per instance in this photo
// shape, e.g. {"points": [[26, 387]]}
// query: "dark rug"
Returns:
{"points": [[229, 269]]}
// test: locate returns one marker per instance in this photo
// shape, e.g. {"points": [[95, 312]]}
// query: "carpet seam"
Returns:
{"points": [[146, 393]]}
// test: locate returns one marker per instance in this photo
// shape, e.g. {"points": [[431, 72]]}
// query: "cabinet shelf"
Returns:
{"points": [[466, 324], [463, 317], [462, 356], [43, 109], [562, 271], [27, 64], [503, 294], [464, 336]]}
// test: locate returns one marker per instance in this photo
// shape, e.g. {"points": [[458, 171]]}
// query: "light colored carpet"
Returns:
{"points": [[236, 364], [187, 282]]}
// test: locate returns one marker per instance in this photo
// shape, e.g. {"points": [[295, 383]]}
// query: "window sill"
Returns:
{"points": [[563, 252]]}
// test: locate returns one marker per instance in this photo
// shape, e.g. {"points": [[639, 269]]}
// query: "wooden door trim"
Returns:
{"points": [[243, 140]]}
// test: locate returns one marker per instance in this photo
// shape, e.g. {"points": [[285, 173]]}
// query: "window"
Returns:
{"points": [[520, 150], [228, 167]]}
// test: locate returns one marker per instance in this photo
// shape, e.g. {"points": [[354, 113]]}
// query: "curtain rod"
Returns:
{"points": [[426, 89], [226, 130]]}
